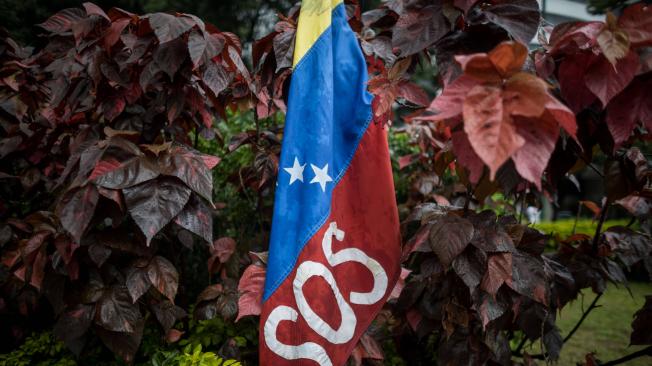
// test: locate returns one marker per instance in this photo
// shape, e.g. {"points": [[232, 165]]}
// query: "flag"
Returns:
{"points": [[335, 241]]}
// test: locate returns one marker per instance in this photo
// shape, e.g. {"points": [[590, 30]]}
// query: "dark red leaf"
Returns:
{"points": [[464, 5], [629, 108], [29, 250], [449, 236], [223, 248], [114, 195], [518, 17], [470, 267], [636, 20], [163, 276], [99, 253], [400, 284], [385, 94], [210, 160], [167, 314], [502, 62], [65, 247], [137, 283], [124, 345], [490, 309], [189, 166], [9, 145], [491, 131], [528, 277], [168, 27], [449, 103], [499, 271], [38, 269], [74, 322], [103, 167], [574, 90], [148, 74], [418, 242], [532, 158], [250, 288], [467, 156], [638, 206], [155, 203], [131, 172], [196, 47], [284, 48], [115, 30], [92, 9], [196, 217], [94, 288], [419, 27], [211, 292], [606, 80], [215, 77], [76, 210], [115, 311], [592, 206], [170, 56], [413, 93], [173, 335], [63, 20]]}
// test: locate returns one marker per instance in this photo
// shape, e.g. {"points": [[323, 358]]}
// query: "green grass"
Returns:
{"points": [[606, 330], [564, 228]]}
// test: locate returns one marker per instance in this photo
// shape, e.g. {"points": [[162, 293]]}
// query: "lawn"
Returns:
{"points": [[564, 227], [606, 330]]}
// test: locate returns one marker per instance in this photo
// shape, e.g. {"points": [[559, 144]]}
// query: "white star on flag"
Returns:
{"points": [[321, 176], [296, 171]]}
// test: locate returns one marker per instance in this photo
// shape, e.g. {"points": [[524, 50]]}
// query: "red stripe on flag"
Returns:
{"points": [[364, 208]]}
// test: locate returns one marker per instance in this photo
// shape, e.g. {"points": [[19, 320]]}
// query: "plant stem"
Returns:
{"points": [[520, 214], [644, 352], [584, 315], [603, 216], [577, 217], [520, 345], [467, 201], [588, 163], [631, 222]]}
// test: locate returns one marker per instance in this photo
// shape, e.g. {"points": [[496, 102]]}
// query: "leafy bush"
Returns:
{"points": [[40, 350], [191, 357], [108, 141]]}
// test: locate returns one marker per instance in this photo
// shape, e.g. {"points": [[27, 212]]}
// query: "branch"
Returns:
{"points": [[603, 216], [588, 163], [644, 352], [584, 315], [577, 217], [520, 345]]}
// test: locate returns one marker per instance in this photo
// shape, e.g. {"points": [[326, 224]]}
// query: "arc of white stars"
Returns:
{"points": [[295, 171], [321, 176]]}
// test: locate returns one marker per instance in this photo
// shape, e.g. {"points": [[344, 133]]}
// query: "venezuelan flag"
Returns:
{"points": [[335, 241]]}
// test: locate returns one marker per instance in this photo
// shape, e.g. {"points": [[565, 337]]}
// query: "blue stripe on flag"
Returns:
{"points": [[329, 109]]}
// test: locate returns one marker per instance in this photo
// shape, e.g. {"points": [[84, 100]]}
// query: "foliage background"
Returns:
{"points": [[442, 315]]}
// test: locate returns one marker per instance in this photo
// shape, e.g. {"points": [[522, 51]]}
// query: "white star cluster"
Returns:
{"points": [[321, 176]]}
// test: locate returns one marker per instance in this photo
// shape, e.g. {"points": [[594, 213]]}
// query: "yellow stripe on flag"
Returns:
{"points": [[314, 19]]}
